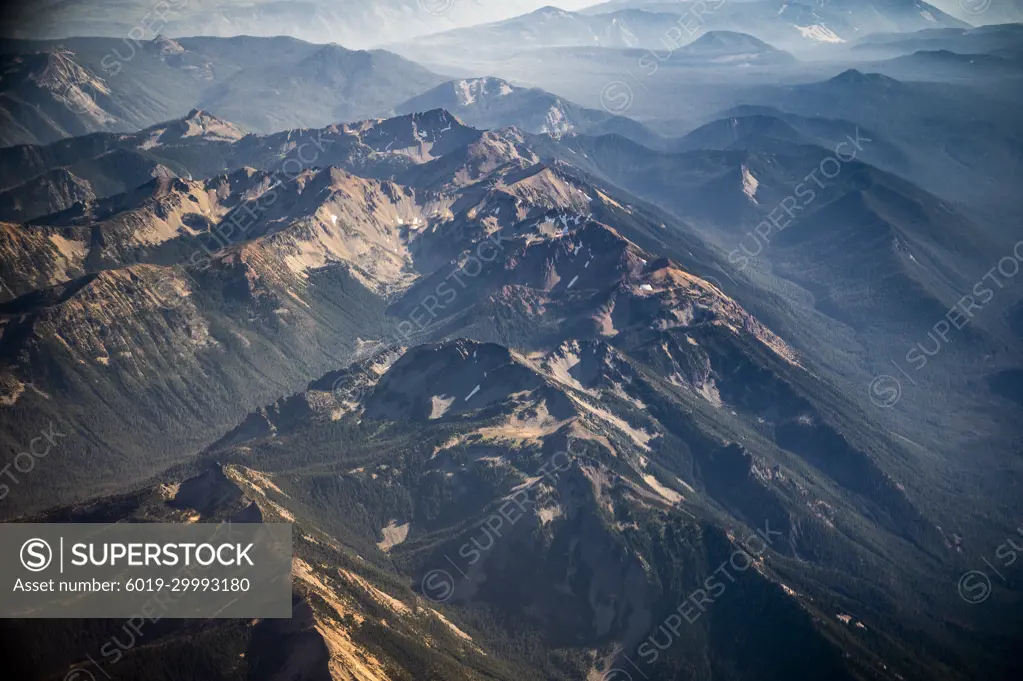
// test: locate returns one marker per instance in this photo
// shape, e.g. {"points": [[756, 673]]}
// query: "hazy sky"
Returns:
{"points": [[353, 23]]}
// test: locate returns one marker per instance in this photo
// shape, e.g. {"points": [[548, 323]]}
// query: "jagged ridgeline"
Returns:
{"points": [[386, 332]]}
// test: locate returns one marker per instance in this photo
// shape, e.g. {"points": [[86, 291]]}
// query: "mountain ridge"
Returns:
{"points": [[545, 394]]}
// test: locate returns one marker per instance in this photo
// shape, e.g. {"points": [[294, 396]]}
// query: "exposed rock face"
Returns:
{"points": [[392, 345], [52, 192], [59, 74], [34, 258]]}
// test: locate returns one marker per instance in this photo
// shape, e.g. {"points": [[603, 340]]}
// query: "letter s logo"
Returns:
{"points": [[36, 555]]}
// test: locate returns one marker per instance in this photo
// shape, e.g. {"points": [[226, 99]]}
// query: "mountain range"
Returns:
{"points": [[570, 354], [447, 317], [349, 22], [664, 27], [495, 103], [55, 89]]}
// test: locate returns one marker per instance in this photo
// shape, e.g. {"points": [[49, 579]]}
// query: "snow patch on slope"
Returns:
{"points": [[556, 123], [470, 91], [749, 184], [818, 32]]}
